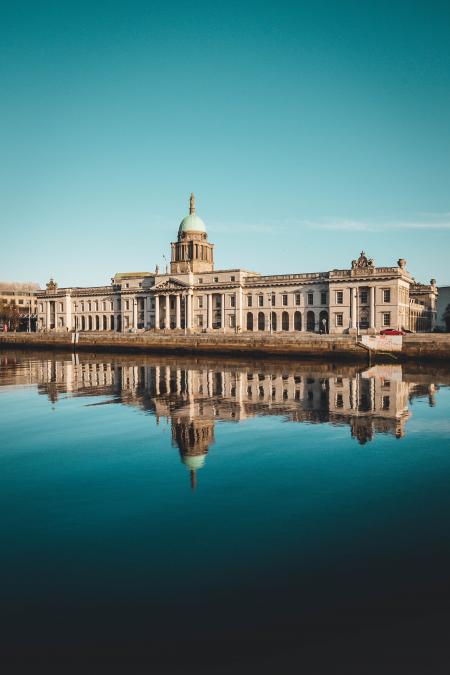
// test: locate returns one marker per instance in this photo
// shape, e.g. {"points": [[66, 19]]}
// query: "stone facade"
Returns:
{"points": [[194, 297], [23, 296]]}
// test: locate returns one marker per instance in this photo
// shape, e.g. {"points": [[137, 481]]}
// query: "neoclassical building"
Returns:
{"points": [[192, 296]]}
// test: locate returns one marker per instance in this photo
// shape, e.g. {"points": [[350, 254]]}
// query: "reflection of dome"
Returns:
{"points": [[192, 223], [193, 462]]}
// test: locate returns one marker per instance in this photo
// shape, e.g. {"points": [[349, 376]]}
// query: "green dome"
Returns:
{"points": [[192, 223]]}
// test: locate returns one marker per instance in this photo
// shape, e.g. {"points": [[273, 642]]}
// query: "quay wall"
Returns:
{"points": [[424, 346]]}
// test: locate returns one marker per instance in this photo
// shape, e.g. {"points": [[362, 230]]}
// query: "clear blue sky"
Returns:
{"points": [[307, 130]]}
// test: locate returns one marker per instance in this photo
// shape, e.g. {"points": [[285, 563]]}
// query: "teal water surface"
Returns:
{"points": [[175, 515]]}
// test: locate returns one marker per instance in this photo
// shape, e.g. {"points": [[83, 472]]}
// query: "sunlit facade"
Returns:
{"points": [[192, 296]]}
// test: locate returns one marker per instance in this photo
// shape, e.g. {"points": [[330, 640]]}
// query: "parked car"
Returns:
{"points": [[391, 331]]}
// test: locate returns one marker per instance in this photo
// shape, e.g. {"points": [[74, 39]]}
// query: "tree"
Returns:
{"points": [[446, 317], [9, 314]]}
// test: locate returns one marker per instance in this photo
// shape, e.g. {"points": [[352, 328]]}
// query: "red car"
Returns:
{"points": [[391, 331]]}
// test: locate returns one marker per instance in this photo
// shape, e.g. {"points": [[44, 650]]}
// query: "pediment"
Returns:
{"points": [[170, 284]]}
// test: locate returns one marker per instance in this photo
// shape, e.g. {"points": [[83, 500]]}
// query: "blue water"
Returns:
{"points": [[169, 516]]}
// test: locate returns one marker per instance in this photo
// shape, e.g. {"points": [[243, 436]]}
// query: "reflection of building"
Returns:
{"points": [[193, 296], [194, 398]]}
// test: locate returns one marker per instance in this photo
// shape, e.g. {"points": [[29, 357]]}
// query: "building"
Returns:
{"points": [[193, 296], [442, 304], [23, 296]]}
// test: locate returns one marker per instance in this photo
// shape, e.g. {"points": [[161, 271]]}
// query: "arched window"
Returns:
{"points": [[97, 323], [323, 321], [297, 321], [273, 319], [261, 321], [90, 323], [105, 323], [249, 321], [310, 321], [112, 321], [83, 323], [285, 321]]}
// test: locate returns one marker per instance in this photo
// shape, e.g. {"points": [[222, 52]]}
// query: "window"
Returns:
{"points": [[339, 297], [200, 301], [200, 281], [232, 319], [127, 304], [339, 401], [339, 320], [297, 298], [200, 321], [82, 306], [232, 278], [386, 294], [41, 307], [249, 301], [89, 306], [273, 300], [386, 319], [285, 299], [323, 298], [260, 301], [232, 300], [363, 297], [21, 302], [386, 402], [60, 307], [216, 279], [310, 298]]}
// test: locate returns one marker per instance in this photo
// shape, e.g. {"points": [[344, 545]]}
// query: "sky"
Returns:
{"points": [[307, 130]]}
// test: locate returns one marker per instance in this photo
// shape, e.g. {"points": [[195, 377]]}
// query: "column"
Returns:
{"points": [[157, 312], [222, 317], [189, 310], [353, 302], [240, 302], [177, 312], [167, 314], [47, 313], [68, 312], [372, 307], [134, 313], [210, 310]]}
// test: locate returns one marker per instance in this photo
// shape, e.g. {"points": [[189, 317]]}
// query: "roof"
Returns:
{"points": [[132, 275]]}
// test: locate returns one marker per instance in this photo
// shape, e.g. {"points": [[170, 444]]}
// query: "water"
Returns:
{"points": [[167, 515]]}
